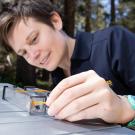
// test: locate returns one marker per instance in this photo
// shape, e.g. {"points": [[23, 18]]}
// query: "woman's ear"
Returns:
{"points": [[56, 21]]}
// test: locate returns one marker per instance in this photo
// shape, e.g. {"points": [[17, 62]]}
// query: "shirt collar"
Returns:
{"points": [[82, 46]]}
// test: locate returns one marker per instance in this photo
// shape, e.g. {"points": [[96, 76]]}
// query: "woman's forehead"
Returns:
{"points": [[20, 31], [23, 27]]}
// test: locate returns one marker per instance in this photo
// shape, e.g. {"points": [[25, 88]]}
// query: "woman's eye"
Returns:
{"points": [[34, 40]]}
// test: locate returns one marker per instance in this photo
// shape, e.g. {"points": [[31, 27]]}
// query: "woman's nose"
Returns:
{"points": [[34, 54]]}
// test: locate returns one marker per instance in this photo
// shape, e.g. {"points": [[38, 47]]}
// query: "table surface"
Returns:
{"points": [[17, 121]]}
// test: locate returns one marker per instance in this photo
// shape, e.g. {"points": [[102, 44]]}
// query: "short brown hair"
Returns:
{"points": [[14, 11]]}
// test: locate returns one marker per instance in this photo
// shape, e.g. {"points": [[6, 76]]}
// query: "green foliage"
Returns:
{"points": [[43, 84], [126, 16], [7, 71], [8, 76]]}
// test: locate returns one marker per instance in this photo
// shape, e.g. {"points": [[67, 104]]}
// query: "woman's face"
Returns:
{"points": [[38, 43]]}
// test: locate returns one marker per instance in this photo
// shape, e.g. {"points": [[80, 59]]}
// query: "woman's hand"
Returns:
{"points": [[88, 96]]}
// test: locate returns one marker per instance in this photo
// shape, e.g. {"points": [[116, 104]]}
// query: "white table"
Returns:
{"points": [[16, 121]]}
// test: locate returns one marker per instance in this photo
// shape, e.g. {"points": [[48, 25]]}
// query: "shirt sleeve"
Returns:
{"points": [[122, 55]]}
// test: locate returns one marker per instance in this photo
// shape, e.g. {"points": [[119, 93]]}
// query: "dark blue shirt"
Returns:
{"points": [[110, 53]]}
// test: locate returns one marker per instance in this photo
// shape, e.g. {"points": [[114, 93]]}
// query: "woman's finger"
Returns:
{"points": [[88, 113], [69, 83], [79, 104], [72, 94]]}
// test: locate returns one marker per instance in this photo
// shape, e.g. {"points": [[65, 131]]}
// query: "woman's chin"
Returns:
{"points": [[50, 68]]}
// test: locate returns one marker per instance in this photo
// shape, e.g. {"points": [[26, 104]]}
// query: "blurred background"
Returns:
{"points": [[78, 15]]}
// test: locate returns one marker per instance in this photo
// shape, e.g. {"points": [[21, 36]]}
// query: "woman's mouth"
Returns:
{"points": [[45, 60]]}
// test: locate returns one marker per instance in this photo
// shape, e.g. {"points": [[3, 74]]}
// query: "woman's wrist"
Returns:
{"points": [[128, 113], [131, 100]]}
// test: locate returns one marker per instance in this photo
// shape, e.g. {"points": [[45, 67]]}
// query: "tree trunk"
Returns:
{"points": [[69, 16], [88, 14], [54, 1], [112, 13]]}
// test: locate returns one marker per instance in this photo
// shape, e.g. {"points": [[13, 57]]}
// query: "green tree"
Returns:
{"points": [[126, 16]]}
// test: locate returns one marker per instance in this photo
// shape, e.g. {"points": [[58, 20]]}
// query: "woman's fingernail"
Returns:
{"points": [[51, 112], [47, 102]]}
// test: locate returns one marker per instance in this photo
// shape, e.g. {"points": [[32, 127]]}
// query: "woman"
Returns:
{"points": [[92, 72]]}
